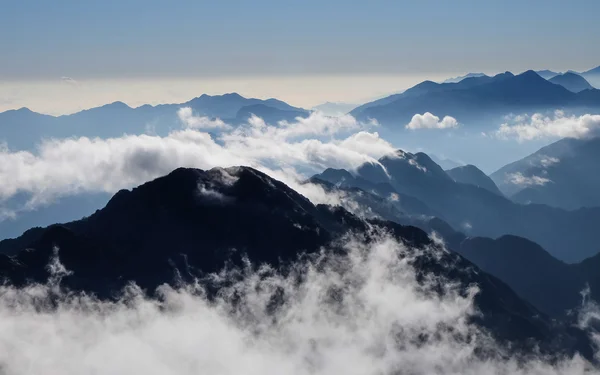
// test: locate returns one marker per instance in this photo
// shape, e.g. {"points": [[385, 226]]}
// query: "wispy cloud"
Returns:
{"points": [[430, 121], [187, 117], [69, 80], [536, 126], [521, 180]]}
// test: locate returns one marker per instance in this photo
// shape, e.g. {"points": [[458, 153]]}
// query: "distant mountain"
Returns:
{"points": [[270, 115], [470, 174], [572, 82], [334, 109], [478, 100], [546, 74], [404, 204], [564, 174], [549, 284], [460, 78], [479, 212], [592, 76], [62, 210], [23, 129], [555, 287], [445, 163], [181, 226]]}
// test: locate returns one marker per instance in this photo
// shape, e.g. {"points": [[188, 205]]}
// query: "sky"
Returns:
{"points": [[63, 56]]}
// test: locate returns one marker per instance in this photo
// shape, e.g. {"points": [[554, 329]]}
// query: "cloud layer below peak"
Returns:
{"points": [[431, 121], [69, 166], [538, 126]]}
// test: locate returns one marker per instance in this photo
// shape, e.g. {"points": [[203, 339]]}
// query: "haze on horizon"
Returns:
{"points": [[61, 57]]}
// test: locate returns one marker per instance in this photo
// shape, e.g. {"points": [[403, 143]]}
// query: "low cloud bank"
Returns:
{"points": [[361, 313], [559, 125]]}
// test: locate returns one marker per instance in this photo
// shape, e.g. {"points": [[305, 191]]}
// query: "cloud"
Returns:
{"points": [[536, 126], [521, 180], [367, 310], [69, 80], [186, 116], [430, 121], [547, 161], [61, 167]]}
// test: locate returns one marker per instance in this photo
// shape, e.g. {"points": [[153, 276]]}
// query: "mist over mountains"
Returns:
{"points": [[251, 220]]}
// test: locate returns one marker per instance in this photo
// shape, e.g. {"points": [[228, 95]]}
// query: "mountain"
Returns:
{"points": [[546, 74], [23, 129], [592, 76], [270, 115], [62, 210], [564, 174], [470, 174], [445, 163], [190, 222], [478, 100], [572, 82], [460, 78], [401, 204], [555, 287], [334, 109], [479, 212]]}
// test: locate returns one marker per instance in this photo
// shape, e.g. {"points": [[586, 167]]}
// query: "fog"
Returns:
{"points": [[359, 312]]}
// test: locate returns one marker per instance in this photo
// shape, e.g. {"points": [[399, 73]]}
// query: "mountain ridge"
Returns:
{"points": [[198, 221]]}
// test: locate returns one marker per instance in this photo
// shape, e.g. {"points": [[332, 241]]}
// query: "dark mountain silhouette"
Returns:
{"points": [[470, 174], [477, 100], [23, 129], [198, 221], [572, 82], [479, 212], [570, 169], [546, 74]]}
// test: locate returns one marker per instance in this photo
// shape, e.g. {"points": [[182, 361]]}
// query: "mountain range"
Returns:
{"points": [[23, 129], [180, 227], [571, 81], [563, 174], [476, 210], [334, 109], [476, 101]]}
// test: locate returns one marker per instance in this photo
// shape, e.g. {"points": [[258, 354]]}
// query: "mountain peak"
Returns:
{"points": [[571, 81], [530, 74]]}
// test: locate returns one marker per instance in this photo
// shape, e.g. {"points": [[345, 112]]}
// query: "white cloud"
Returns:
{"points": [[187, 117], [547, 161], [69, 166], [536, 126], [380, 321], [430, 121], [521, 180]]}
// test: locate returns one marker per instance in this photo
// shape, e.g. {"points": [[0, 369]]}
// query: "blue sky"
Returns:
{"points": [[148, 40], [44, 39]]}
